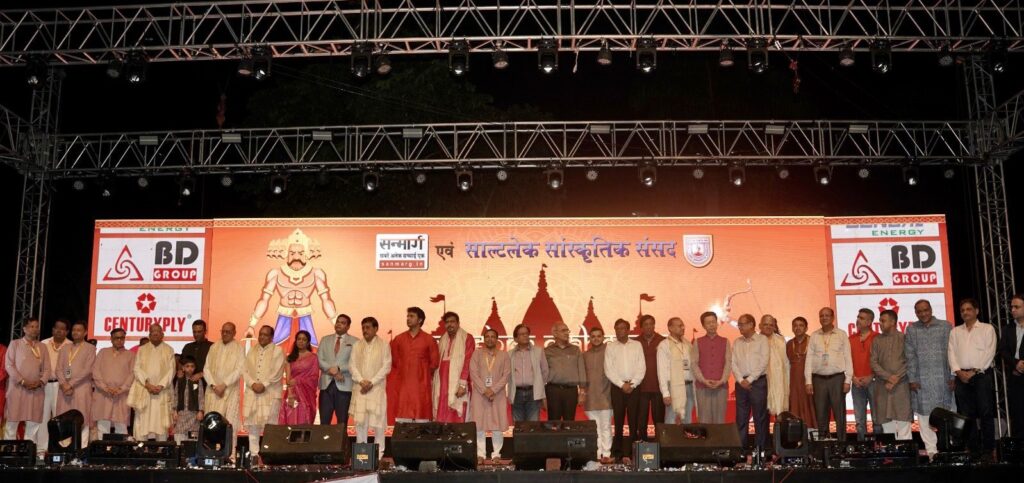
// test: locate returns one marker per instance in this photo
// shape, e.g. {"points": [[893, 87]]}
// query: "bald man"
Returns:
{"points": [[150, 395], [224, 366], [566, 373]]}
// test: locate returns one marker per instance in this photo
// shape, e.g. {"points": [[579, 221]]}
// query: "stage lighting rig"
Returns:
{"points": [[881, 56], [420, 177], [997, 56], [547, 55], [846, 56], [261, 60], [646, 55], [737, 175], [186, 185], [757, 55], [35, 71], [945, 56], [555, 176], [604, 56], [863, 172], [782, 171], [278, 183], [822, 174], [458, 57], [725, 56], [362, 59], [698, 172], [502, 175], [383, 64], [114, 68], [648, 175], [135, 67], [371, 181], [499, 58], [911, 174], [464, 179], [226, 180]]}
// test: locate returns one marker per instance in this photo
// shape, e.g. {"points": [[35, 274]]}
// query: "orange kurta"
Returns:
{"points": [[413, 362]]}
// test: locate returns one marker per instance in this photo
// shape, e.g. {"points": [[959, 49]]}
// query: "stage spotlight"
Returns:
{"points": [[757, 55], [863, 172], [949, 172], [881, 56], [725, 57], [646, 55], [245, 66], [604, 56], [278, 183], [949, 427], [135, 68], [371, 181], [420, 177], [592, 174], [499, 58], [911, 174], [458, 57], [383, 64], [35, 70], [216, 437], [782, 171], [186, 185], [698, 172], [790, 434], [846, 57], [997, 57], [142, 181], [822, 174], [65, 436], [114, 68], [226, 180], [502, 175], [945, 56], [648, 175], [555, 177], [362, 59], [737, 175], [547, 55], [78, 185], [464, 179], [261, 59], [106, 190]]}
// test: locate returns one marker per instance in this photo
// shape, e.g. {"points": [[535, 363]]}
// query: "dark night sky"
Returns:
{"points": [[685, 86]]}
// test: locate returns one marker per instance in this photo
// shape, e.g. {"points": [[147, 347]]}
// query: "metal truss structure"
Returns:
{"points": [[516, 145], [321, 28]]}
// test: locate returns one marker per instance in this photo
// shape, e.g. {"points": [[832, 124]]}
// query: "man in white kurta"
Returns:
{"points": [[151, 394], [223, 369], [673, 365], [264, 366], [371, 363]]}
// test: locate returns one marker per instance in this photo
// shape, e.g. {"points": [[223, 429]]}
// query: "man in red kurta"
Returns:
{"points": [[414, 357], [3, 380], [451, 382]]}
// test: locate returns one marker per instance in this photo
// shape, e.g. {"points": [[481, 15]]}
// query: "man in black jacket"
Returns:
{"points": [[1011, 350]]}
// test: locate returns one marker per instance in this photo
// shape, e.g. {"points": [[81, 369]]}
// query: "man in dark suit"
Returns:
{"points": [[1011, 350]]}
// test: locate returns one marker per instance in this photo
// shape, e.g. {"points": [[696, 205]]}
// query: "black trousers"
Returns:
{"points": [[829, 395], [625, 408], [753, 402], [651, 404], [976, 399], [562, 401], [1015, 390]]}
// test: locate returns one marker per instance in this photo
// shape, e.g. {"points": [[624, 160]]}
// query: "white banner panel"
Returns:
{"points": [[134, 310], [882, 266], [903, 303], [885, 231], [157, 260]]}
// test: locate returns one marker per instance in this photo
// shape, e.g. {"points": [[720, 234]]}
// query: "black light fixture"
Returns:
{"points": [[881, 56], [822, 174], [846, 57], [502, 175], [278, 183], [737, 175], [261, 60], [371, 181], [592, 174], [547, 55], [863, 172], [949, 428], [35, 71], [142, 182], [362, 59], [648, 174], [114, 68], [245, 66], [782, 171], [757, 55], [464, 179], [186, 185], [106, 190], [499, 58], [555, 177], [78, 185], [646, 55], [226, 180], [383, 63], [216, 438], [997, 56], [458, 57], [725, 56], [945, 57], [698, 172], [604, 56], [420, 177], [65, 437], [135, 67], [790, 435], [911, 174]]}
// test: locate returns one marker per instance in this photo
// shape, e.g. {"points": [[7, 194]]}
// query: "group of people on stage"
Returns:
{"points": [[618, 381]]}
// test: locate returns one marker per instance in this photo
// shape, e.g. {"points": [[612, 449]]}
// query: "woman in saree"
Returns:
{"points": [[303, 374]]}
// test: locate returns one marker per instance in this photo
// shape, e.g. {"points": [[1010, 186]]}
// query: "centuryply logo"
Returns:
{"points": [[146, 303]]}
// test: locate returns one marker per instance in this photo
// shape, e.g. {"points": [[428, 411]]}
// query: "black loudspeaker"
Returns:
{"points": [[682, 444], [364, 457], [646, 456], [533, 442], [304, 444], [17, 452], [452, 445], [124, 453]]}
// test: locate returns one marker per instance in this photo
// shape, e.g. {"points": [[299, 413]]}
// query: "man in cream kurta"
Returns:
{"points": [[450, 395], [151, 392], [371, 363], [673, 366], [264, 366], [223, 369]]}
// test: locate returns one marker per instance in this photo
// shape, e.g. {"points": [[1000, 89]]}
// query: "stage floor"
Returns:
{"points": [[929, 474]]}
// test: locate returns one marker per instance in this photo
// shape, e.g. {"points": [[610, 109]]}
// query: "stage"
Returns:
{"points": [[931, 474]]}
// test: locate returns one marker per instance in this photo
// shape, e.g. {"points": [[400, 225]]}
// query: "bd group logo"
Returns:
{"points": [[883, 265], [150, 261]]}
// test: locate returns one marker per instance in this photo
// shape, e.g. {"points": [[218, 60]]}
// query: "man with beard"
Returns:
{"points": [[414, 358], [294, 282], [199, 348], [674, 377], [451, 380]]}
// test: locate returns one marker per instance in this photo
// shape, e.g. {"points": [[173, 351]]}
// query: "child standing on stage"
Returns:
{"points": [[188, 402]]}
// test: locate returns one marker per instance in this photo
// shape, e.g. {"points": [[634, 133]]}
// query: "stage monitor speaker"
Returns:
{"points": [[17, 452], [452, 445], [573, 442], [646, 456], [127, 453], [304, 444], [364, 457], [683, 444]]}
